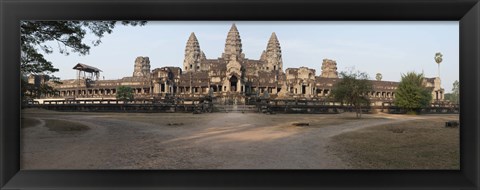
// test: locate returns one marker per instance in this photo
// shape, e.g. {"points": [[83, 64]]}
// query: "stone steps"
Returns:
{"points": [[235, 108]]}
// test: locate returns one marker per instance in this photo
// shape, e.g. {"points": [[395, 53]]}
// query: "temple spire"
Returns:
{"points": [[273, 38], [234, 28], [193, 54], [273, 45], [273, 54], [233, 44], [192, 37]]}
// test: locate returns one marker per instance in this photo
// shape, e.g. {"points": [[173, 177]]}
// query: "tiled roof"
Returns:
{"points": [[133, 79], [252, 64], [86, 68], [216, 65], [199, 78]]}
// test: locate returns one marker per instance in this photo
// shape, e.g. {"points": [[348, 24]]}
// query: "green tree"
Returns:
{"points": [[411, 93], [68, 35], [456, 92], [454, 96], [449, 97], [124, 93], [36, 39], [353, 90], [378, 77]]}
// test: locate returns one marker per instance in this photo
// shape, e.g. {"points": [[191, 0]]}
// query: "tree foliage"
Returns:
{"points": [[68, 35], [454, 97], [34, 91], [124, 93], [411, 93], [456, 91], [39, 89], [37, 37], [378, 77], [353, 90]]}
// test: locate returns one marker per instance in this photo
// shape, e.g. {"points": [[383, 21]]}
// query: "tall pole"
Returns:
{"points": [[438, 59], [438, 70]]}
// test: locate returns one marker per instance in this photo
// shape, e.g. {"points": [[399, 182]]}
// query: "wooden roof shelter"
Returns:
{"points": [[94, 72], [86, 68]]}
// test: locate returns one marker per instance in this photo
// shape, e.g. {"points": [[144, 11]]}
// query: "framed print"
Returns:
{"points": [[240, 94]]}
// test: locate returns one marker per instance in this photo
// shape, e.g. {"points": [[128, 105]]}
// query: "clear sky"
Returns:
{"points": [[389, 48]]}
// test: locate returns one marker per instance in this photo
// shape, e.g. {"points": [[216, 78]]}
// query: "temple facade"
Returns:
{"points": [[229, 77]]}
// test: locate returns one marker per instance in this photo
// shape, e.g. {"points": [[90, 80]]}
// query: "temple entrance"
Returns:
{"points": [[233, 83]]}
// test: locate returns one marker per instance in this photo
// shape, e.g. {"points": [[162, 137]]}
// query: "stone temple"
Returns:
{"points": [[230, 77]]}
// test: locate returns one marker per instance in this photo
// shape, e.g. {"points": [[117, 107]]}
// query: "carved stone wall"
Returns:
{"points": [[273, 55], [233, 45], [230, 74], [329, 69], [193, 55], [142, 67]]}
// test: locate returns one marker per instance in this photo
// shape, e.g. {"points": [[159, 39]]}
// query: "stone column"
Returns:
{"points": [[165, 86]]}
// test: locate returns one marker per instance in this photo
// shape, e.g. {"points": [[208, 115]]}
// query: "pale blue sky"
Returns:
{"points": [[390, 48]]}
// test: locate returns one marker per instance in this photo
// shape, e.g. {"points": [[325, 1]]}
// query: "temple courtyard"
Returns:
{"points": [[93, 140]]}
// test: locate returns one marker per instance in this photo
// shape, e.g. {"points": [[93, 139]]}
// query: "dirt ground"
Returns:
{"points": [[187, 141], [415, 144]]}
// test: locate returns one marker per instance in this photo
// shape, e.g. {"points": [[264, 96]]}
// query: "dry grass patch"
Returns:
{"points": [[418, 144], [65, 127]]}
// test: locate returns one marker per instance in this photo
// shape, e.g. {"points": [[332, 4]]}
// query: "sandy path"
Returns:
{"points": [[216, 141]]}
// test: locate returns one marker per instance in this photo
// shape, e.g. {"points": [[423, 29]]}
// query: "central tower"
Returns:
{"points": [[233, 45]]}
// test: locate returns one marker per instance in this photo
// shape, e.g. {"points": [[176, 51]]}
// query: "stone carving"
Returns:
{"points": [[233, 44], [306, 73], [234, 67], [193, 54], [283, 92], [329, 69], [263, 57], [142, 67], [273, 54]]}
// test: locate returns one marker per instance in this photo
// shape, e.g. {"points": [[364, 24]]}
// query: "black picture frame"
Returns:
{"points": [[467, 12]]}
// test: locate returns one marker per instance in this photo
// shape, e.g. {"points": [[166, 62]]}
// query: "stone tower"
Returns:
{"points": [[142, 67], [329, 69], [193, 55], [273, 54], [233, 45]]}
